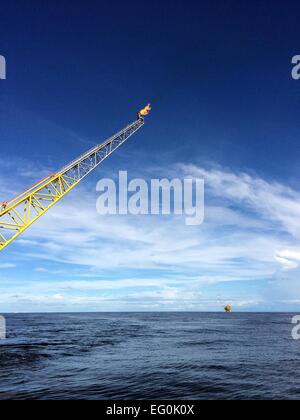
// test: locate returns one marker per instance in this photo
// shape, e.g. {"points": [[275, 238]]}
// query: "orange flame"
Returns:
{"points": [[145, 111]]}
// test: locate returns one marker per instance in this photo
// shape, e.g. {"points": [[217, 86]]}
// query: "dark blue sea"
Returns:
{"points": [[150, 356]]}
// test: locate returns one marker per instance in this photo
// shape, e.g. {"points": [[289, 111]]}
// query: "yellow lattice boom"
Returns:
{"points": [[22, 211]]}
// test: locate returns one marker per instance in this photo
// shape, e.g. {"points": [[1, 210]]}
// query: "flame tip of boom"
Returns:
{"points": [[145, 111]]}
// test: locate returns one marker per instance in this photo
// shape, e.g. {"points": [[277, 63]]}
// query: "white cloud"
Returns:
{"points": [[251, 232], [270, 201], [7, 265], [76, 234]]}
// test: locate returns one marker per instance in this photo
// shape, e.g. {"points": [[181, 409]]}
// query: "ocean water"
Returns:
{"points": [[192, 356]]}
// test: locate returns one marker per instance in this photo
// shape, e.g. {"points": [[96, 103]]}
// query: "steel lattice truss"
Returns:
{"points": [[21, 212]]}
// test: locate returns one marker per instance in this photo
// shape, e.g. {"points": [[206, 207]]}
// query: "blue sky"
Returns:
{"points": [[225, 108]]}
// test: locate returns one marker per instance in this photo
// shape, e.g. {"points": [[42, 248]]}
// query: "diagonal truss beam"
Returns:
{"points": [[21, 212]]}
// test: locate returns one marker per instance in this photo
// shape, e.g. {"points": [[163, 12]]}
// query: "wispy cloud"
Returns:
{"points": [[251, 234], [4, 266], [269, 201]]}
